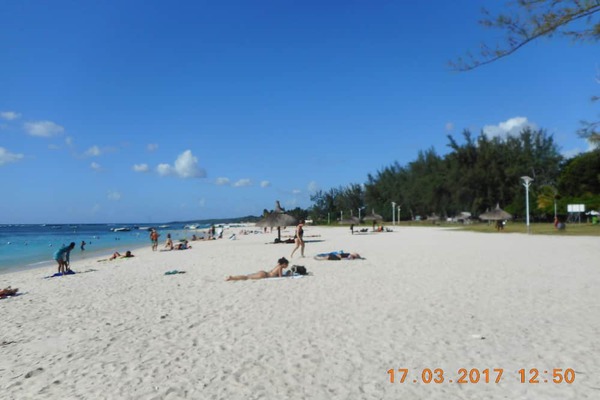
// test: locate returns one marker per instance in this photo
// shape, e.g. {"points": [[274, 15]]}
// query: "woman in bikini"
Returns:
{"points": [[299, 240], [282, 264], [169, 243]]}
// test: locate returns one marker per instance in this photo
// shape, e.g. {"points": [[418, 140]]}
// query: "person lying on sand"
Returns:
{"points": [[182, 246], [8, 292], [282, 264], [118, 255], [338, 256]]}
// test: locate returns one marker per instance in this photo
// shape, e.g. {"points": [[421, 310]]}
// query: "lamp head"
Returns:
{"points": [[527, 180]]}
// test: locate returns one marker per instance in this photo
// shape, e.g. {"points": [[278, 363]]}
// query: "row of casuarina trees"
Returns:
{"points": [[473, 178]]}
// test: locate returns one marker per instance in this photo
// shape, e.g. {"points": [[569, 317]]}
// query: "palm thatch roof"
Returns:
{"points": [[352, 220], [277, 218], [497, 214], [373, 217]]}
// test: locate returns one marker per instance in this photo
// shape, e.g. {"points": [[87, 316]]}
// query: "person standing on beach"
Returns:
{"points": [[83, 245], [299, 240], [62, 257], [154, 238]]}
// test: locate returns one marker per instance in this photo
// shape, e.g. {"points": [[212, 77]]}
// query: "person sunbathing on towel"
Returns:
{"points": [[118, 255], [282, 264], [182, 246], [338, 256], [8, 292]]}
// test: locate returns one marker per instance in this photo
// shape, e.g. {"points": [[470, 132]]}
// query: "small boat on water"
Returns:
{"points": [[123, 229], [163, 226]]}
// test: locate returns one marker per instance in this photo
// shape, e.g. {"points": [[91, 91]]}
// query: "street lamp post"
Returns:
{"points": [[359, 210], [527, 182], [393, 213], [399, 209]]}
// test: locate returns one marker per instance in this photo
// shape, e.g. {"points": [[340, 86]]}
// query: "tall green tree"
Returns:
{"points": [[581, 175], [473, 176], [338, 200]]}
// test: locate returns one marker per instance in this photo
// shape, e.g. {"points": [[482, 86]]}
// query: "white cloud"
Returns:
{"points": [[571, 153], [202, 202], [221, 181], [8, 157], [152, 147], [313, 187], [449, 126], [296, 191], [165, 169], [186, 166], [510, 127], [69, 141], [9, 115], [242, 182], [114, 195], [53, 147], [43, 128], [141, 168], [264, 184], [95, 208], [95, 166], [93, 151]]}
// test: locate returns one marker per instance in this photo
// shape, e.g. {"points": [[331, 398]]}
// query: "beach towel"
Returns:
{"points": [[68, 272], [283, 277], [337, 256], [174, 272], [332, 255]]}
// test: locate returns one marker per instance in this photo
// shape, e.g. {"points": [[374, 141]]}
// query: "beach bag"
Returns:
{"points": [[299, 269]]}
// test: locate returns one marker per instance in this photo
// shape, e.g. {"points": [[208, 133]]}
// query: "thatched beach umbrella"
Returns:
{"points": [[497, 214], [349, 221], [463, 216], [373, 217], [277, 218]]}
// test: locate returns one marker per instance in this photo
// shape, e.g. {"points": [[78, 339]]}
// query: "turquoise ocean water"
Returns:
{"points": [[29, 246]]}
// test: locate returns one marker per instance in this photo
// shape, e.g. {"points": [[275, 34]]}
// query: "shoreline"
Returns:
{"points": [[92, 252]]}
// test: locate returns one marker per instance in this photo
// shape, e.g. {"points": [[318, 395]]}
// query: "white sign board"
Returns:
{"points": [[576, 208]]}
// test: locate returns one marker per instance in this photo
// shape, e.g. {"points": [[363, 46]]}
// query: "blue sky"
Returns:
{"points": [[136, 112]]}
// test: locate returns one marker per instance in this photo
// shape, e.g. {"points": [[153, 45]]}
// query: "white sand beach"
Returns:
{"points": [[423, 298]]}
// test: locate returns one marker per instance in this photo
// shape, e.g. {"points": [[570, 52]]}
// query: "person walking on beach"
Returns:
{"points": [[299, 240], [62, 257], [154, 238]]}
